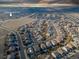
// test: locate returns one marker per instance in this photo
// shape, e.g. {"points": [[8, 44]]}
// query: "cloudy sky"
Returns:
{"points": [[40, 1]]}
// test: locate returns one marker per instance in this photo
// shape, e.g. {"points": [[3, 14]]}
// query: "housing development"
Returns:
{"points": [[39, 33]]}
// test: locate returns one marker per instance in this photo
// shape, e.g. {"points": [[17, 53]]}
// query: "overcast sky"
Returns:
{"points": [[7, 0], [37, 1]]}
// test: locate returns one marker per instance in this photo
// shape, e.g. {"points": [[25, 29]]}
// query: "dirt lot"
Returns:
{"points": [[2, 36], [14, 24]]}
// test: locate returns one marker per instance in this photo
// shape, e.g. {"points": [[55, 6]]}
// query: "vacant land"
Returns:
{"points": [[14, 24], [2, 40]]}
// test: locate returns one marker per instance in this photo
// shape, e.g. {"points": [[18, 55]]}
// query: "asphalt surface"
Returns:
{"points": [[21, 47]]}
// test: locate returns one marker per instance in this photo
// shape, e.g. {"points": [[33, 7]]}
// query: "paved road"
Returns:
{"points": [[21, 47]]}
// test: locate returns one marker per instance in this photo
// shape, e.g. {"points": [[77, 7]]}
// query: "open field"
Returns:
{"points": [[2, 37], [14, 24]]}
